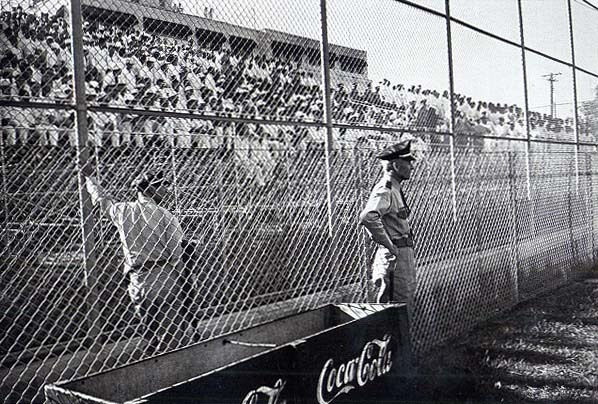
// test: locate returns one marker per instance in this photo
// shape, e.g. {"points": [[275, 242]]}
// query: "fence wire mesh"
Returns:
{"points": [[228, 102]]}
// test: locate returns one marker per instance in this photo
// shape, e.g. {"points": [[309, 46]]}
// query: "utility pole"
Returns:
{"points": [[551, 77]]}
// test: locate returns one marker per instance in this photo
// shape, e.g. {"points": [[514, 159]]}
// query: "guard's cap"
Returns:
{"points": [[401, 150]]}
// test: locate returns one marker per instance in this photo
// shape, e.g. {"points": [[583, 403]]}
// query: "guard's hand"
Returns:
{"points": [[380, 285]]}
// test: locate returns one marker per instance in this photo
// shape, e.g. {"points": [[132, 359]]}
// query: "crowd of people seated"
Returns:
{"points": [[127, 67]]}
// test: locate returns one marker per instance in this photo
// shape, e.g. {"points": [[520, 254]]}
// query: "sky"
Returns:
{"points": [[406, 45]]}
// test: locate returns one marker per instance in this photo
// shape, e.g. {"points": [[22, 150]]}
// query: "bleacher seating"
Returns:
{"points": [[126, 67]]}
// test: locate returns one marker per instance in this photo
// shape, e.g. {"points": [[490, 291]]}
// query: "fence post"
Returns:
{"points": [[525, 101], [6, 214], [575, 114], [571, 232], [572, 198], [528, 143], [175, 182], [87, 220], [325, 58], [590, 173], [449, 42], [515, 239], [364, 261]]}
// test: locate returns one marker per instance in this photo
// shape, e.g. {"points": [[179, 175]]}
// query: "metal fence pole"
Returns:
{"points": [[528, 142], [175, 184], [325, 58], [449, 41], [87, 220], [571, 233], [526, 102], [364, 260], [4, 179], [575, 114], [590, 171], [575, 132], [515, 235]]}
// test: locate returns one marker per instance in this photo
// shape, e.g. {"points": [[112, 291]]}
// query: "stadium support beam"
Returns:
{"points": [[87, 222], [325, 54]]}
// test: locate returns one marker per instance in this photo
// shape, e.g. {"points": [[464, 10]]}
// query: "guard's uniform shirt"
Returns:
{"points": [[385, 215]]}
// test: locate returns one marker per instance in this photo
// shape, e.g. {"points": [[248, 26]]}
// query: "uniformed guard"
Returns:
{"points": [[385, 218]]}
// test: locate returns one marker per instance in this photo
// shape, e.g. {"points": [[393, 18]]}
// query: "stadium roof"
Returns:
{"points": [[312, 43]]}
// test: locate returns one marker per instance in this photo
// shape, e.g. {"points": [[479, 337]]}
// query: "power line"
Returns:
{"points": [[587, 3], [551, 79]]}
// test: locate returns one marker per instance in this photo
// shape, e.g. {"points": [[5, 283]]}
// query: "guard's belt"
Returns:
{"points": [[403, 213], [403, 241]]}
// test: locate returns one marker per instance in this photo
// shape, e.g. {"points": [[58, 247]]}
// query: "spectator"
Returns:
{"points": [[519, 129], [152, 242], [501, 128], [9, 120]]}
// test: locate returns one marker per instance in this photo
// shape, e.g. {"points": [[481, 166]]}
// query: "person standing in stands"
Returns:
{"points": [[385, 217], [152, 244]]}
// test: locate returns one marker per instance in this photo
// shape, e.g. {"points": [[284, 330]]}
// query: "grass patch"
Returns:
{"points": [[543, 351]]}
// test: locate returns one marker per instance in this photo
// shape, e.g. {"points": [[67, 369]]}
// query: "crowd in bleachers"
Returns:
{"points": [[127, 67]]}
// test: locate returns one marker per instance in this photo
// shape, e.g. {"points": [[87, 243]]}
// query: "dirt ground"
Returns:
{"points": [[542, 351]]}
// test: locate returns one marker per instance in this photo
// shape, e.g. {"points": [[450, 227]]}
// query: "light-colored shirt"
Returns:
{"points": [[385, 214], [148, 232]]}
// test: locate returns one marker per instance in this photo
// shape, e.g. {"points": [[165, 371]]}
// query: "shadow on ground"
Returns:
{"points": [[544, 351]]}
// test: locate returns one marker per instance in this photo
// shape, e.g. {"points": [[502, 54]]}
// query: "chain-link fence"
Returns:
{"points": [[264, 118]]}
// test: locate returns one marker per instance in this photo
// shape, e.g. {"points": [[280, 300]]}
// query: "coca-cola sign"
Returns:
{"points": [[374, 361]]}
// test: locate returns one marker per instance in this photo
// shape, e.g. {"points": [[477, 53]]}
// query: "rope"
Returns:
{"points": [[250, 344]]}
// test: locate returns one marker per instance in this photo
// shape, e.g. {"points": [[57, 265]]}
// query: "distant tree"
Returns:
{"points": [[589, 116]]}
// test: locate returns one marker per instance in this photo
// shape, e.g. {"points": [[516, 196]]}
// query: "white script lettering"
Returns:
{"points": [[375, 360]]}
